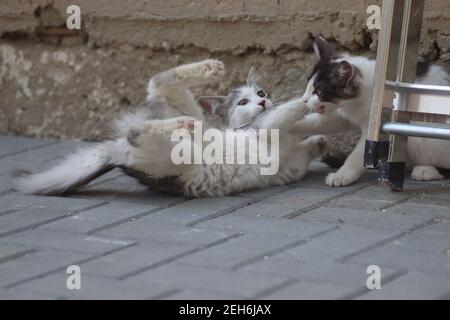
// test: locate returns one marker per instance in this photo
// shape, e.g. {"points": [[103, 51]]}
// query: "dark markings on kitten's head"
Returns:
{"points": [[334, 78], [224, 108]]}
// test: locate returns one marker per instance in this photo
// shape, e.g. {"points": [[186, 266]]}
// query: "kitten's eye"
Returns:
{"points": [[262, 93], [243, 102], [318, 92]]}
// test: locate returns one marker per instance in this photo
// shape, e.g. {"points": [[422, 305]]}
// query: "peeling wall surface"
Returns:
{"points": [[67, 84]]}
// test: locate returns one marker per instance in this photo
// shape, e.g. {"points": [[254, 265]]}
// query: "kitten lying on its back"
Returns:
{"points": [[142, 146], [340, 90]]}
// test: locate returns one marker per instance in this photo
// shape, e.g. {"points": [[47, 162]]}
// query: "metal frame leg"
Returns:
{"points": [[406, 72], [377, 145]]}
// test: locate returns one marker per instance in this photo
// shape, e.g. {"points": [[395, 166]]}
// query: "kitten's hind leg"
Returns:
{"points": [[188, 75], [151, 146], [155, 132], [426, 173]]}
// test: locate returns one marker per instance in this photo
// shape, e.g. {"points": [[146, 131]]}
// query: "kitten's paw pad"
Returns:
{"points": [[318, 145], [320, 140], [186, 123], [322, 143], [341, 180], [426, 173], [214, 69]]}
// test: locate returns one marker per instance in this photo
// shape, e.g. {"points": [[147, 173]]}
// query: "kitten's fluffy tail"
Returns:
{"points": [[75, 171]]}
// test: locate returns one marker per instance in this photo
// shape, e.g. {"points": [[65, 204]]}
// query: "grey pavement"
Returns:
{"points": [[303, 241]]}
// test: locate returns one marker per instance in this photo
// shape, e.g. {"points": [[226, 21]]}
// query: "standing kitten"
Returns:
{"points": [[340, 91], [142, 146]]}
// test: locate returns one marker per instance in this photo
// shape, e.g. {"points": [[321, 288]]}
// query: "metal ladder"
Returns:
{"points": [[394, 89]]}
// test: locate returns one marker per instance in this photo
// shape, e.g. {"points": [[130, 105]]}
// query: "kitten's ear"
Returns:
{"points": [[346, 71], [323, 49], [213, 105], [253, 77]]}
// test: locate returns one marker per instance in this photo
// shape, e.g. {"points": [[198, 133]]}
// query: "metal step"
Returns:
{"points": [[417, 130]]}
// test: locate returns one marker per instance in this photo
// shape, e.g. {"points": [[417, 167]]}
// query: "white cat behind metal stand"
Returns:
{"points": [[340, 91]]}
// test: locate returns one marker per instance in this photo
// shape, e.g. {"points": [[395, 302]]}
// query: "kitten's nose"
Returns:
{"points": [[262, 104]]}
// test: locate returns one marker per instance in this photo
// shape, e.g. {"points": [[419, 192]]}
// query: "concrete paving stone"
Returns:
{"points": [[239, 284], [93, 219], [56, 151], [310, 290], [15, 294], [37, 264], [31, 211], [414, 209], [439, 227], [196, 210], [426, 241], [94, 288], [366, 218], [5, 183], [396, 256], [339, 243], [9, 166], [10, 145], [413, 286], [197, 294], [355, 203], [426, 200], [10, 251], [374, 197], [260, 194], [66, 241], [293, 228], [285, 203], [350, 275], [439, 192], [240, 251], [134, 258], [382, 193], [164, 233]]}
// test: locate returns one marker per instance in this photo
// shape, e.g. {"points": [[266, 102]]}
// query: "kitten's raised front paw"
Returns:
{"points": [[186, 123], [204, 71], [342, 179], [213, 69], [303, 111], [426, 173]]}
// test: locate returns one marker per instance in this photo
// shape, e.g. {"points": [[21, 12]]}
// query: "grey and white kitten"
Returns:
{"points": [[142, 145], [340, 90]]}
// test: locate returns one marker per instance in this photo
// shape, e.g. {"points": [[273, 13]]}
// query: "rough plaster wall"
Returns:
{"points": [[68, 84]]}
